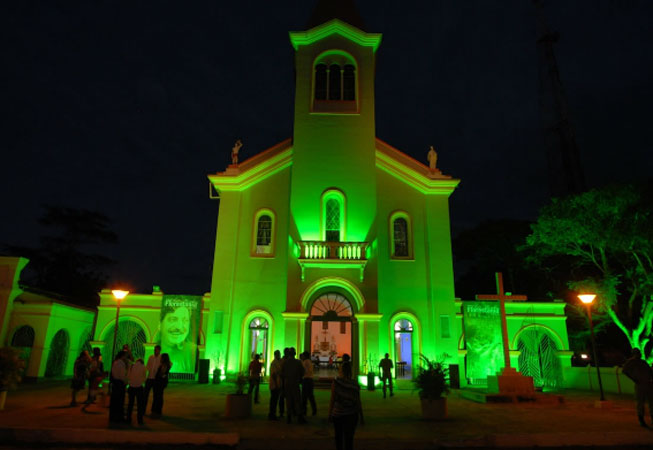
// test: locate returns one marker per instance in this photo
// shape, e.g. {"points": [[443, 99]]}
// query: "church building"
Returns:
{"points": [[333, 241]]}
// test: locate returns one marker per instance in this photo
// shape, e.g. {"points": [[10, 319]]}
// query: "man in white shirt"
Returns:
{"points": [[153, 363], [135, 391], [307, 383], [118, 383]]}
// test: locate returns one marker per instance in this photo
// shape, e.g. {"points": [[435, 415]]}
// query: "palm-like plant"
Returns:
{"points": [[431, 379]]}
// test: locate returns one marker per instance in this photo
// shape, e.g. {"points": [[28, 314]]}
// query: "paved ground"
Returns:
{"points": [[37, 415]]}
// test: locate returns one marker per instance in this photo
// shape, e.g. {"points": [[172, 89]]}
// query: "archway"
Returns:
{"points": [[58, 356], [130, 333], [23, 341], [258, 340], [330, 332], [403, 334], [538, 358]]}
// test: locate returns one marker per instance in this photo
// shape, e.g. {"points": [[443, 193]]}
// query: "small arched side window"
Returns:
{"points": [[263, 238], [264, 230], [400, 236], [400, 239]]}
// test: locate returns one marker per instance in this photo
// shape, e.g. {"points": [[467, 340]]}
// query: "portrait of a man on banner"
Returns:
{"points": [[178, 330]]}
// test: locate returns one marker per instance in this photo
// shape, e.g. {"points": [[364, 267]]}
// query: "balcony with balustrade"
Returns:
{"points": [[333, 255]]}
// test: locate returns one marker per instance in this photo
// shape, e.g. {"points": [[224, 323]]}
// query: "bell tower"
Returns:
{"points": [[334, 127]]}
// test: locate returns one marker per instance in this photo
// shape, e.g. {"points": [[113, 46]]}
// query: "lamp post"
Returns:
{"points": [[587, 299], [118, 295]]}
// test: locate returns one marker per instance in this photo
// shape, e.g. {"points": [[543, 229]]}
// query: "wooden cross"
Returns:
{"points": [[501, 296]]}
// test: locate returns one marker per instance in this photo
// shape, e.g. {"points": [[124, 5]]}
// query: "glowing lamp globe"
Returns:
{"points": [[587, 298], [118, 294]]}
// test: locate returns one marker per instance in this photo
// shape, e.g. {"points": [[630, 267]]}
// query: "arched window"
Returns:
{"points": [[349, 83], [333, 216], [321, 82], [263, 238], [258, 338], [400, 236], [335, 82], [333, 220]]}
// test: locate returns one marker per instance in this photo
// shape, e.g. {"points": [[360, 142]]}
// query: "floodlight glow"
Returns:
{"points": [[587, 298], [118, 294]]}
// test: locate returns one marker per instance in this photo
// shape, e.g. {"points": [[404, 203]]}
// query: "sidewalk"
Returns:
{"points": [[193, 414]]}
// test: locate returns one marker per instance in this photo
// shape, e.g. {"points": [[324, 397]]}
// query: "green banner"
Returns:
{"points": [[179, 330], [482, 325]]}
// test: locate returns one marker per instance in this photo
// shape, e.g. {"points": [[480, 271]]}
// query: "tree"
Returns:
{"points": [[608, 233], [65, 262]]}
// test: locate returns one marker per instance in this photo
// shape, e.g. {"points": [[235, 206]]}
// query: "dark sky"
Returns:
{"points": [[124, 107]]}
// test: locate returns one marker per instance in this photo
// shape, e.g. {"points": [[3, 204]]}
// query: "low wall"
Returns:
{"points": [[586, 378]]}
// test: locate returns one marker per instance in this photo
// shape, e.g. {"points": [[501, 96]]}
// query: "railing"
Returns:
{"points": [[333, 250]]}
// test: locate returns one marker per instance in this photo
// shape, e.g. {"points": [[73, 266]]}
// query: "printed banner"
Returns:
{"points": [[482, 324], [179, 330]]}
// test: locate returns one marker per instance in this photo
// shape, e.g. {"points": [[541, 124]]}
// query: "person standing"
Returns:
{"points": [[95, 375], [135, 391], [255, 376], [160, 383], [275, 386], [153, 363], [292, 373], [118, 383], [345, 406], [307, 384], [639, 371], [80, 374], [386, 372]]}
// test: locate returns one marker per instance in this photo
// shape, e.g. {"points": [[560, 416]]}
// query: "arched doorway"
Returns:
{"points": [[403, 330], [23, 341], [58, 356], [130, 333], [538, 358], [330, 332], [258, 339]]}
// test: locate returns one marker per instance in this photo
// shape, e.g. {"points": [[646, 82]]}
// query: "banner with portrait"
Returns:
{"points": [[484, 342], [179, 330]]}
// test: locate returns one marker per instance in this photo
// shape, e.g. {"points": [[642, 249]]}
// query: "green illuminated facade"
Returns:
{"points": [[349, 218]]}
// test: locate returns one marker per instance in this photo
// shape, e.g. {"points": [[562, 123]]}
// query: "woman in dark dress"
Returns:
{"points": [[160, 383], [345, 406]]}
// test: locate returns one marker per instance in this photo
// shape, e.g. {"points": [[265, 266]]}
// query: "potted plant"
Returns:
{"points": [[431, 383], [11, 369], [239, 404]]}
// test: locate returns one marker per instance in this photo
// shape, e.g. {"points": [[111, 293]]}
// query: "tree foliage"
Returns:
{"points": [[67, 262], [608, 235]]}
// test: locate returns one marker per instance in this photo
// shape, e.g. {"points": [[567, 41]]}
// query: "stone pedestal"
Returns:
{"points": [[509, 381]]}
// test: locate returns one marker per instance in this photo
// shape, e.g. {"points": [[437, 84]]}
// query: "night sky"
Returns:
{"points": [[125, 107]]}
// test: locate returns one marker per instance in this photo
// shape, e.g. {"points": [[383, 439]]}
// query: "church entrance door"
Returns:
{"points": [[403, 348], [330, 332]]}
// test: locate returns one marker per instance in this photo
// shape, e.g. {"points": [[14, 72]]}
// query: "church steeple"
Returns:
{"points": [[334, 129], [344, 10]]}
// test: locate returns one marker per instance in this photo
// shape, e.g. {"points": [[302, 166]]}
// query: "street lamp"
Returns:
{"points": [[118, 295], [587, 299]]}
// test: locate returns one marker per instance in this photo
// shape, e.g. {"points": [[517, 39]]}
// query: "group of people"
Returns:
{"points": [[128, 377], [89, 369], [292, 390]]}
